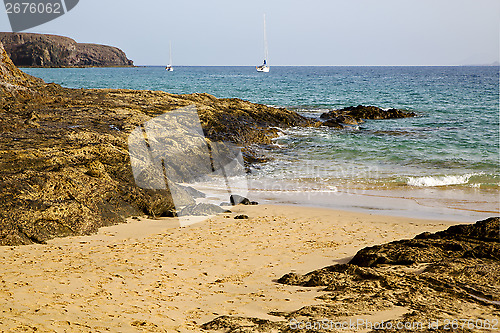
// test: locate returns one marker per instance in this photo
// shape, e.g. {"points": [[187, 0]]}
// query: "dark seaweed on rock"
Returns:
{"points": [[64, 162], [479, 240], [243, 324], [487, 231]]}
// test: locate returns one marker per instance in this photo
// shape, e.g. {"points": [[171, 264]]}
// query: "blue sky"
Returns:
{"points": [[313, 32]]}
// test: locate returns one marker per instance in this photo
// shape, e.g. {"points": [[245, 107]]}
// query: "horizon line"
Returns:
{"points": [[470, 65]]}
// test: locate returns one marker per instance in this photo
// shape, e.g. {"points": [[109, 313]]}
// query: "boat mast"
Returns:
{"points": [[265, 42], [170, 53]]}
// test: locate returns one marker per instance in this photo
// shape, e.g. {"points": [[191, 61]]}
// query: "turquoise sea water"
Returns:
{"points": [[453, 143]]}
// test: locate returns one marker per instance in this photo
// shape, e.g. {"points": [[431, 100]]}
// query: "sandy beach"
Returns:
{"points": [[151, 275]]}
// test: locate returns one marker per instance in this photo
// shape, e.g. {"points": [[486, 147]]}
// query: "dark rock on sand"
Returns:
{"points": [[240, 200], [39, 50], [354, 115], [423, 278], [64, 162], [241, 217]]}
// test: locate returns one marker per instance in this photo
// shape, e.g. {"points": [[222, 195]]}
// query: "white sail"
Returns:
{"points": [[264, 68]]}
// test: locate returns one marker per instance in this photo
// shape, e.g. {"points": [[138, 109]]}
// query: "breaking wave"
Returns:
{"points": [[439, 180]]}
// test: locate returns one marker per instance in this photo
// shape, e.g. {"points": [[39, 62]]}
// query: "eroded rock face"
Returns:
{"points": [[422, 276], [39, 50], [15, 84], [64, 161]]}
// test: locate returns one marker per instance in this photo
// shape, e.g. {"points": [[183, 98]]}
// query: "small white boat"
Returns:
{"points": [[264, 68], [169, 67]]}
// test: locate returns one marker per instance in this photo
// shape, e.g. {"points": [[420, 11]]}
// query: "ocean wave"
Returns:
{"points": [[439, 180]]}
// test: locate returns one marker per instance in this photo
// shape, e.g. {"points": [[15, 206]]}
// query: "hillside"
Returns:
{"points": [[39, 50]]}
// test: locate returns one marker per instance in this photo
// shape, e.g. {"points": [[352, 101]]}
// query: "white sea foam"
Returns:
{"points": [[439, 180], [281, 134]]}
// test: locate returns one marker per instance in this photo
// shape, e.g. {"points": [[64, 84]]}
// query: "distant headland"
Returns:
{"points": [[40, 50]]}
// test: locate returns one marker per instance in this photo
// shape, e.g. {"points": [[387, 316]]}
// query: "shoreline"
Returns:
{"points": [[410, 203], [129, 276], [457, 205]]}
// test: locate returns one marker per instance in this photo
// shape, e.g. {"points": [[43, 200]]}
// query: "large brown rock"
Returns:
{"points": [[352, 115], [479, 240], [64, 161], [39, 50]]}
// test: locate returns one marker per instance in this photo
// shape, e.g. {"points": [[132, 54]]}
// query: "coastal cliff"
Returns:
{"points": [[64, 162], [40, 50]]}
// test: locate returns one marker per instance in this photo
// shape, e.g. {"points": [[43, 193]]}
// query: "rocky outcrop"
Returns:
{"points": [[15, 84], [479, 240], [39, 50], [64, 162], [429, 280], [352, 116]]}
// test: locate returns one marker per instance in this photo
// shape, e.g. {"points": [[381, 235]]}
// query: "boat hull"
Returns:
{"points": [[262, 69]]}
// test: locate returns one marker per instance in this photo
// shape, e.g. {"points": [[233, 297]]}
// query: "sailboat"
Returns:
{"points": [[264, 68], [169, 67]]}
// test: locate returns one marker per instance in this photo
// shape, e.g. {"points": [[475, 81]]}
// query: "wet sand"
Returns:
{"points": [[152, 275]]}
